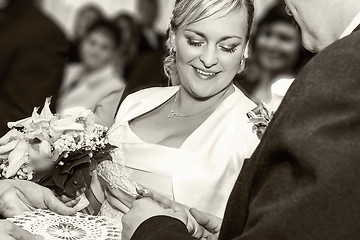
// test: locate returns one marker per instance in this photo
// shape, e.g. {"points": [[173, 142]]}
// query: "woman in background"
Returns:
{"points": [[130, 34], [84, 19], [276, 56], [93, 83]]}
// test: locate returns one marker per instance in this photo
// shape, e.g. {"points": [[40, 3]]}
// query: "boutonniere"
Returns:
{"points": [[260, 117]]}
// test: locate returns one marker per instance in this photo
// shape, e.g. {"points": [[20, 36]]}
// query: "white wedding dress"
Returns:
{"points": [[201, 173]]}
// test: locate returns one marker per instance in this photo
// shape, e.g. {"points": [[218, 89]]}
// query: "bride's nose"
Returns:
{"points": [[209, 57]]}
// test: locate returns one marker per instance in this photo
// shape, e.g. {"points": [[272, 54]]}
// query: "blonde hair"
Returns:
{"points": [[190, 11]]}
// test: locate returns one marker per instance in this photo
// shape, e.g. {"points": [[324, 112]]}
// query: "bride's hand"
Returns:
{"points": [[18, 196], [70, 202], [118, 198]]}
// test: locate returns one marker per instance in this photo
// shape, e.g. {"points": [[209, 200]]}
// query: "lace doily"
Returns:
{"points": [[53, 226]]}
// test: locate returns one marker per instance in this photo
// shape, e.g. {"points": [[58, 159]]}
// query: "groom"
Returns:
{"points": [[303, 181]]}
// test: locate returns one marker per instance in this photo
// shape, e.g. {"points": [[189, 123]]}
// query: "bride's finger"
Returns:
{"points": [[121, 196], [72, 203], [161, 200], [143, 192], [66, 199]]}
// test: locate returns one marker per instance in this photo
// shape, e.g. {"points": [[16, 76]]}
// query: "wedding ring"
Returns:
{"points": [[143, 192]]}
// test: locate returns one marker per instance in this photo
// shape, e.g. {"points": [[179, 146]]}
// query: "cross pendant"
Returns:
{"points": [[172, 114]]}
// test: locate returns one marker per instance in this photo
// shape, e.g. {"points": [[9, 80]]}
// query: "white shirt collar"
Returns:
{"points": [[281, 86], [352, 26]]}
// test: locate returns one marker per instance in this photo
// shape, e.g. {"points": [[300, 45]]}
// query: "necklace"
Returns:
{"points": [[173, 114]]}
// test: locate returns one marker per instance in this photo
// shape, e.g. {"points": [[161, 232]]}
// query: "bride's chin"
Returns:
{"points": [[197, 94], [206, 95], [201, 96]]}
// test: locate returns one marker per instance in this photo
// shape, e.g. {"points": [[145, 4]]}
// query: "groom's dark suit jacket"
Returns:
{"points": [[303, 181]]}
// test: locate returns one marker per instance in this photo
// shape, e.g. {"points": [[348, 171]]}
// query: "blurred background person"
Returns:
{"points": [[147, 68], [85, 17], [130, 35], [150, 38], [276, 56], [146, 72], [33, 54], [94, 83]]}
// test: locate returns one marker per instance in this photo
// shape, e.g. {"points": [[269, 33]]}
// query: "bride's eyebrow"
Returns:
{"points": [[220, 40], [196, 32]]}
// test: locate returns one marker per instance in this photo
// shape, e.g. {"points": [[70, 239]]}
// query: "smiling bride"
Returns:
{"points": [[187, 142]]}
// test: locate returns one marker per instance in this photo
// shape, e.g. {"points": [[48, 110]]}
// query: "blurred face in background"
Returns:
{"points": [[84, 20], [277, 46], [97, 49]]}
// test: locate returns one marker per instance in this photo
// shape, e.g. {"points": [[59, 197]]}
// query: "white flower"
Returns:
{"points": [[17, 157], [44, 116]]}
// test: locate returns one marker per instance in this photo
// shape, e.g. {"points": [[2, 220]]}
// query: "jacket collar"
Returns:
{"points": [[353, 25], [357, 28]]}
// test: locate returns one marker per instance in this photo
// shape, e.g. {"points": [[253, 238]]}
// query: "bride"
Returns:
{"points": [[187, 142]]}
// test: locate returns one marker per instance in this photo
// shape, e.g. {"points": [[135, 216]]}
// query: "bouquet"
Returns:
{"points": [[58, 151], [260, 117]]}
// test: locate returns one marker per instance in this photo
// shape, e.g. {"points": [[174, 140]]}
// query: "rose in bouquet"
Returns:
{"points": [[260, 117], [58, 151]]}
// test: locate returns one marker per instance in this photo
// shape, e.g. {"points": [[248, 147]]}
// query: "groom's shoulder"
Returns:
{"points": [[342, 58], [342, 50], [348, 46]]}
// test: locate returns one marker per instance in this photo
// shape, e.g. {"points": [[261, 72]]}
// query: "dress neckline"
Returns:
{"points": [[153, 106]]}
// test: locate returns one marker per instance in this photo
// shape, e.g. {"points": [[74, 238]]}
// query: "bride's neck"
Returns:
{"points": [[189, 104]]}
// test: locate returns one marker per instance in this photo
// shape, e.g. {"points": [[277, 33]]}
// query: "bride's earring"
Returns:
{"points": [[242, 66], [172, 56], [169, 82], [172, 51]]}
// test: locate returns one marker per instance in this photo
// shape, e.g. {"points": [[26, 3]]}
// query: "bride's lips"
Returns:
{"points": [[203, 74]]}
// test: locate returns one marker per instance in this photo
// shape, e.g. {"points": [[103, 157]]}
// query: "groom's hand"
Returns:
{"points": [[199, 224], [9, 231], [142, 210], [211, 223], [17, 197]]}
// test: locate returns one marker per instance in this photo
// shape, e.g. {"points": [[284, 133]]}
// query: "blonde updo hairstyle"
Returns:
{"points": [[190, 11]]}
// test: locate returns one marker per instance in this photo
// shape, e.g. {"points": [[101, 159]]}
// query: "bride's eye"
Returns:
{"points": [[194, 43], [228, 49]]}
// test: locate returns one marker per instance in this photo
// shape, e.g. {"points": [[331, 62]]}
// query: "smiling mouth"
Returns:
{"points": [[205, 74]]}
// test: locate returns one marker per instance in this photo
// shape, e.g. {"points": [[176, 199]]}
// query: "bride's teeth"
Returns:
{"points": [[205, 73]]}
